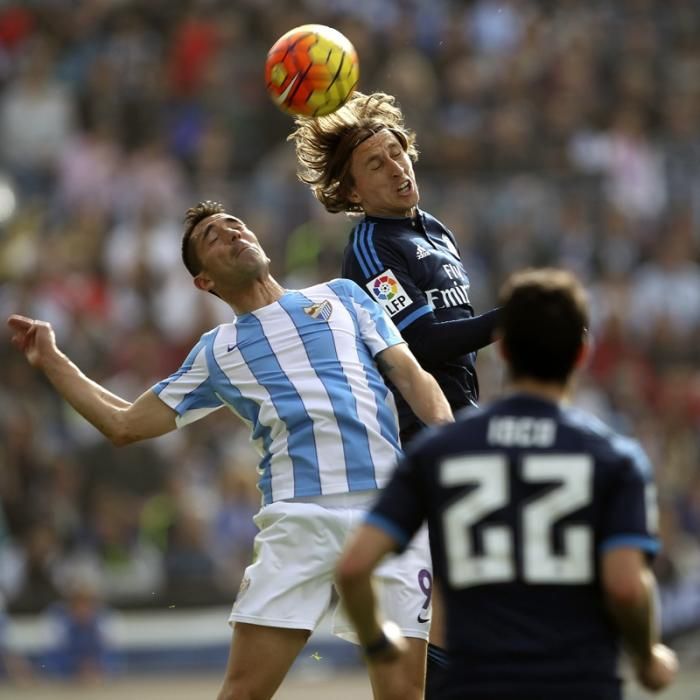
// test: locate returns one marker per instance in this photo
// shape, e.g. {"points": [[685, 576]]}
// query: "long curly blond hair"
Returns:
{"points": [[324, 145]]}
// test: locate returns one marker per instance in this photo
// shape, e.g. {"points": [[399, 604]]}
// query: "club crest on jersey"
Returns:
{"points": [[387, 290], [321, 311]]}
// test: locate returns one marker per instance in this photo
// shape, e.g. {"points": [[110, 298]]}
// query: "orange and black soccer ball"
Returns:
{"points": [[311, 70]]}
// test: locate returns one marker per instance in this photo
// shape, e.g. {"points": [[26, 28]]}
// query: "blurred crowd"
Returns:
{"points": [[561, 132]]}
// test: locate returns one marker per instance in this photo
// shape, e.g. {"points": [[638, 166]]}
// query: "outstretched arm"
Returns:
{"points": [[433, 341], [119, 420], [418, 387]]}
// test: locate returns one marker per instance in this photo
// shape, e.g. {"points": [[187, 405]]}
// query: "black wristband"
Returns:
{"points": [[389, 638], [378, 646]]}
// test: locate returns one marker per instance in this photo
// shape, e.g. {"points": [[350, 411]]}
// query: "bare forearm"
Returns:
{"points": [[426, 399], [637, 622], [363, 552], [360, 605], [418, 387], [96, 404], [421, 391], [121, 421]]}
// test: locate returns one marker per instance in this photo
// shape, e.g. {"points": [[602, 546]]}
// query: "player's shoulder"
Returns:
{"points": [[340, 289], [593, 428], [210, 337], [606, 443], [206, 346], [221, 338], [431, 219], [371, 238], [339, 286]]}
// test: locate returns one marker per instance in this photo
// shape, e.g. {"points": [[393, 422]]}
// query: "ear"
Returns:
{"points": [[203, 283], [500, 346], [584, 353]]}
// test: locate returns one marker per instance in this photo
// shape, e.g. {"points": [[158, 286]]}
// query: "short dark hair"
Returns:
{"points": [[543, 321], [192, 217]]}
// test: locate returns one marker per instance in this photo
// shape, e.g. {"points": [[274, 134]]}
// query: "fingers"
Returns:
{"points": [[668, 661], [19, 323], [22, 339], [25, 330], [662, 669]]}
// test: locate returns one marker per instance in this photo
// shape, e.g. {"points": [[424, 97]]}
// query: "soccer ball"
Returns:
{"points": [[311, 70]]}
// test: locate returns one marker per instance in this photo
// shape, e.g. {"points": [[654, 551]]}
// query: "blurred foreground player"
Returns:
{"points": [[541, 523]]}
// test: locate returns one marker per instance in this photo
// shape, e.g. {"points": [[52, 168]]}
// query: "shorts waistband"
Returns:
{"points": [[355, 499]]}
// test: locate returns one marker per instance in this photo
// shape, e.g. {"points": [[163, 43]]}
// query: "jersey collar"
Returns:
{"points": [[398, 219]]}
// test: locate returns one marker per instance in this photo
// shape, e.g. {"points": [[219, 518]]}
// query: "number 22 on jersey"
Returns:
{"points": [[488, 475]]}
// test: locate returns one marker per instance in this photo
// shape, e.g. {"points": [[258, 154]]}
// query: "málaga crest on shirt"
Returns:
{"points": [[322, 310], [387, 290]]}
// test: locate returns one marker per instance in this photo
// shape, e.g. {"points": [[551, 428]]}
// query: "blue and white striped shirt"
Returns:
{"points": [[300, 373]]}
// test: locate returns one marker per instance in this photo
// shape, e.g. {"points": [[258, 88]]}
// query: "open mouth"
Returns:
{"points": [[405, 188]]}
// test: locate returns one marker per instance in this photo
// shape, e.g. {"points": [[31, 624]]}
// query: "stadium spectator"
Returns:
{"points": [[542, 520], [14, 667], [80, 644], [36, 119]]}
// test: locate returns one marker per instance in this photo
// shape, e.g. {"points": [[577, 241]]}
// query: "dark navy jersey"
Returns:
{"points": [[412, 267], [521, 500]]}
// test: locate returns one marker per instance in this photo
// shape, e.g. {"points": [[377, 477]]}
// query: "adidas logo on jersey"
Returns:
{"points": [[421, 252]]}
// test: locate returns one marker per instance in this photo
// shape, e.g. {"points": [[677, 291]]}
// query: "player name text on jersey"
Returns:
{"points": [[515, 431]]}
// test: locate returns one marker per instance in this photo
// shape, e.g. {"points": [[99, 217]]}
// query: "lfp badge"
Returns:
{"points": [[387, 290]]}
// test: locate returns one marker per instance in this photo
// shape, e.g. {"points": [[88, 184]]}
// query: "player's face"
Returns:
{"points": [[385, 184], [228, 251]]}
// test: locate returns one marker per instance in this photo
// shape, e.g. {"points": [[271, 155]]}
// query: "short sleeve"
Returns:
{"points": [[376, 329], [382, 270], [188, 391], [631, 516]]}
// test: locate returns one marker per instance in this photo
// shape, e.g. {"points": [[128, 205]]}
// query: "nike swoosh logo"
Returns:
{"points": [[423, 619], [285, 93], [230, 347]]}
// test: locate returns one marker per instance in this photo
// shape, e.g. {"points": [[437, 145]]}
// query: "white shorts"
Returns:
{"points": [[290, 582]]}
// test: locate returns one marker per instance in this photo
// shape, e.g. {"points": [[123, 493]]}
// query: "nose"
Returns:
{"points": [[396, 168]]}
